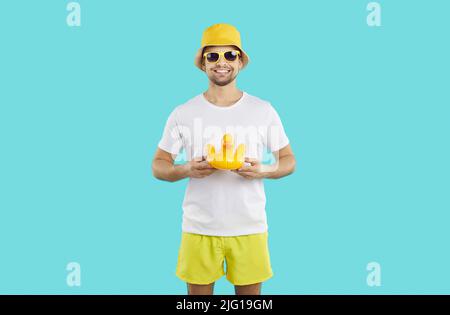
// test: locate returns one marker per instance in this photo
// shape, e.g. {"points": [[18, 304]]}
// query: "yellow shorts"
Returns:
{"points": [[201, 258]]}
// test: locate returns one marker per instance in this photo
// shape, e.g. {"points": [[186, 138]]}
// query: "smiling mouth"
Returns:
{"points": [[222, 71]]}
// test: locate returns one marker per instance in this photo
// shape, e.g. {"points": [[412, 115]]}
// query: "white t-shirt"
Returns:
{"points": [[224, 203]]}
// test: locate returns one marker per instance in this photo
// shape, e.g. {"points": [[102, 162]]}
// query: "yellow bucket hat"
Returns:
{"points": [[220, 35]]}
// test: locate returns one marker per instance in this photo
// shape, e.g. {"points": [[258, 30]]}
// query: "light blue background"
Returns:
{"points": [[366, 110]]}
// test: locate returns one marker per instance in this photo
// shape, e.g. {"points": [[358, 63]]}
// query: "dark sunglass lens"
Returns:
{"points": [[231, 55], [212, 57]]}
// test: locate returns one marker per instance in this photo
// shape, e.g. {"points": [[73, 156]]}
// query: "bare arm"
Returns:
{"points": [[285, 163], [163, 168]]}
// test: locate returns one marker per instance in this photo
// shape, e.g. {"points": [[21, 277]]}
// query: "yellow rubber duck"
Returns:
{"points": [[226, 158]]}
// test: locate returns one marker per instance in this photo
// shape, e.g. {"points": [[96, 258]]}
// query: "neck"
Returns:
{"points": [[223, 95]]}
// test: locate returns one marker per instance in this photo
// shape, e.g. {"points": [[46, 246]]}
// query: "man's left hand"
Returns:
{"points": [[252, 171]]}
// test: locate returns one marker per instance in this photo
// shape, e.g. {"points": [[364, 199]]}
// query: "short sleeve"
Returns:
{"points": [[171, 140], [276, 136]]}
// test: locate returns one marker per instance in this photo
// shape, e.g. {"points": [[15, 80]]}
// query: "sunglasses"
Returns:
{"points": [[229, 55]]}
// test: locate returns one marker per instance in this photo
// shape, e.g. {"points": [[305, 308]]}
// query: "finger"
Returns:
{"points": [[246, 168], [239, 173], [203, 165], [205, 172], [198, 158], [247, 174], [252, 161]]}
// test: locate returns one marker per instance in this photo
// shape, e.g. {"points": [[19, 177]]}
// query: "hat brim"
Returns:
{"points": [[198, 58]]}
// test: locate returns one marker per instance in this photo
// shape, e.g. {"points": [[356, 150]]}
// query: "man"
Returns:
{"points": [[224, 217]]}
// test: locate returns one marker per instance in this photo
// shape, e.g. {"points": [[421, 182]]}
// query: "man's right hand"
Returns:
{"points": [[163, 167], [199, 168]]}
